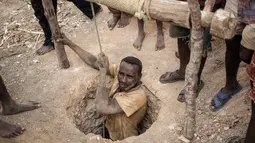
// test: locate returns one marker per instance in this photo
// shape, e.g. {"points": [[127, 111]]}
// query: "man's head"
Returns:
{"points": [[130, 73]]}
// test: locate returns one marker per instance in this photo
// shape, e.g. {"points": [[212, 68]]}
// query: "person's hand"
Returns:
{"points": [[103, 61]]}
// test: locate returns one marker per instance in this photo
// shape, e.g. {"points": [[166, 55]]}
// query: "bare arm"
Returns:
{"points": [[87, 57], [104, 104]]}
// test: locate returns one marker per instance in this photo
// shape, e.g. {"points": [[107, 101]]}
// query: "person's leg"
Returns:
{"points": [[125, 19], [10, 131], [115, 18], [232, 61], [39, 13], [141, 35], [250, 136], [232, 87], [10, 106], [160, 36], [85, 7], [182, 35], [200, 84]]}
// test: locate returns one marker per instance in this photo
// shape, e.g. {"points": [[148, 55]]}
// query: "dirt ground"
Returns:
{"points": [[38, 78]]}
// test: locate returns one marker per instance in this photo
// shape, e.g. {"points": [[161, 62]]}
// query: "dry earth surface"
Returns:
{"points": [[38, 78]]}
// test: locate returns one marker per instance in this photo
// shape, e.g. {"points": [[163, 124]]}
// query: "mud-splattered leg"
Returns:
{"points": [[160, 36], [141, 35]]}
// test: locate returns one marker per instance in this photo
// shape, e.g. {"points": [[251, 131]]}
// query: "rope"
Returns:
{"points": [[143, 10], [100, 46], [94, 17]]}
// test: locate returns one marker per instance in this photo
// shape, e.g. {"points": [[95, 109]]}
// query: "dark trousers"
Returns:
{"points": [[84, 6], [250, 134], [4, 95]]}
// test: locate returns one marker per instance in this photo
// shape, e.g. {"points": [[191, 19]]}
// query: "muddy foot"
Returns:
{"points": [[112, 22], [124, 20], [139, 41], [14, 108], [44, 49], [9, 131], [160, 42]]}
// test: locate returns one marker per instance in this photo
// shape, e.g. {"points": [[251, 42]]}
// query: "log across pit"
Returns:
{"points": [[83, 113]]}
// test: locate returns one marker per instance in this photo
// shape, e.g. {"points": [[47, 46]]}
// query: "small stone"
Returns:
{"points": [[219, 138], [178, 130], [226, 128], [19, 55], [217, 125], [199, 112], [17, 62], [10, 50], [35, 61], [212, 136]]}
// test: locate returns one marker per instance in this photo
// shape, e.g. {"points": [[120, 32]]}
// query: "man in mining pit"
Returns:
{"points": [[125, 104]]}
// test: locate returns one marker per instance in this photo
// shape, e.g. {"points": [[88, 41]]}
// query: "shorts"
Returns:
{"points": [[184, 33], [248, 37], [232, 7]]}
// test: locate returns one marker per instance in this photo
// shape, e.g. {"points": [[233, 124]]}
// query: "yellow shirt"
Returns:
{"points": [[133, 103]]}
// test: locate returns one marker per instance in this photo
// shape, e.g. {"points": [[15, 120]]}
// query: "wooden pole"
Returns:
{"points": [[178, 13], [56, 33], [191, 76]]}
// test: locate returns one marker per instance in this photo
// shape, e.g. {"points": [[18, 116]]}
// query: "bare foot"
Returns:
{"points": [[44, 49], [124, 20], [112, 22], [139, 41], [160, 42], [14, 108], [10, 131]]}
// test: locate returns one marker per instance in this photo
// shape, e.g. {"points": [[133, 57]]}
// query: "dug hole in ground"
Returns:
{"points": [[38, 78]]}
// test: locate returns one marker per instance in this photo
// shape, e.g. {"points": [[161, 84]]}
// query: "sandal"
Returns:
{"points": [[220, 99], [235, 139], [181, 97], [170, 77]]}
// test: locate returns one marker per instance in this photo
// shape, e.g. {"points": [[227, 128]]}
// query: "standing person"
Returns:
{"points": [[183, 37], [48, 45], [10, 107], [240, 48]]}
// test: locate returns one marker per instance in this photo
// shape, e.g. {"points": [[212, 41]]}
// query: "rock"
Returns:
{"points": [[226, 128], [10, 50], [18, 56], [199, 112], [29, 44], [182, 138], [178, 130], [35, 61], [212, 136]]}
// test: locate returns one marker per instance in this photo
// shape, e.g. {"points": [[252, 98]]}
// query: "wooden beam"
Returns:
{"points": [[56, 33], [178, 13]]}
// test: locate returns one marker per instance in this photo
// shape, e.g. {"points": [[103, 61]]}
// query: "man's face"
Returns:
{"points": [[128, 76]]}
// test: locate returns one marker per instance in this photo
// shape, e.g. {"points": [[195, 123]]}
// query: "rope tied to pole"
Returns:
{"points": [[143, 10]]}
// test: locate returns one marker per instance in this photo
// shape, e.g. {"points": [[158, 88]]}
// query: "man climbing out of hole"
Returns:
{"points": [[125, 104], [10, 107], [183, 37], [48, 45]]}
